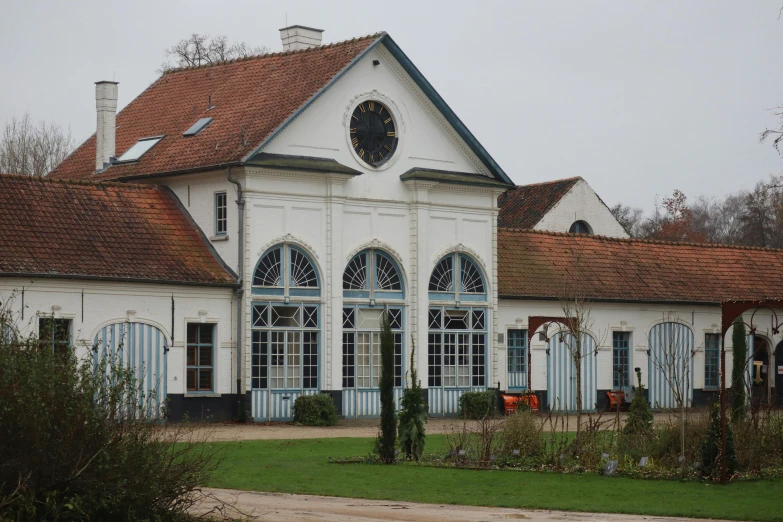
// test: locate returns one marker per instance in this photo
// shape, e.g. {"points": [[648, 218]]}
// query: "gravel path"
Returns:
{"points": [[346, 428], [283, 506]]}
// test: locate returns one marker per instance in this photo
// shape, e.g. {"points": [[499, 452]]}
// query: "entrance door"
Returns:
{"points": [[143, 348], [561, 373], [759, 372]]}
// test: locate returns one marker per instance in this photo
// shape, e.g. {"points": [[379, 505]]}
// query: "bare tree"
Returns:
{"points": [[201, 49], [631, 218], [672, 358], [579, 323], [33, 149]]}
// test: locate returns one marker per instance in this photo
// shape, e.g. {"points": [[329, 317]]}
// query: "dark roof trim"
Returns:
{"points": [[457, 178], [314, 97], [443, 107], [82, 277], [202, 236], [204, 168], [610, 300], [308, 163]]}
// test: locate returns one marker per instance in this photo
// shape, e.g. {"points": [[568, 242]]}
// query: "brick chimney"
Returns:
{"points": [[297, 37], [106, 105]]}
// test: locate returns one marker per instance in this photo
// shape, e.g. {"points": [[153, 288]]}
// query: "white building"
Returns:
{"points": [[332, 183]]}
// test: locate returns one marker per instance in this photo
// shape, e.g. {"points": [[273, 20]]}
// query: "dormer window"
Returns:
{"points": [[197, 127], [581, 227], [139, 149]]}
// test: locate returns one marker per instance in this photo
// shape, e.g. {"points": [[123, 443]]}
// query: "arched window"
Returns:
{"points": [[580, 227], [468, 280], [371, 278], [285, 270], [457, 334], [286, 331], [372, 274]]}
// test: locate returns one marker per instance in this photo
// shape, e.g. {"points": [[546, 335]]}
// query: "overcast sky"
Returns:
{"points": [[639, 98]]}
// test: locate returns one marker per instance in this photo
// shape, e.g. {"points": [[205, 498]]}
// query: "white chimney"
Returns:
{"points": [[297, 37], [106, 104]]}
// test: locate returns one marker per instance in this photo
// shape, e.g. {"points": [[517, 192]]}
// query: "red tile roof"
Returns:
{"points": [[105, 231], [252, 98], [524, 206], [536, 264]]}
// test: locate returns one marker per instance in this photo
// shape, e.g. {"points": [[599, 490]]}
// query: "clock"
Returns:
{"points": [[373, 133]]}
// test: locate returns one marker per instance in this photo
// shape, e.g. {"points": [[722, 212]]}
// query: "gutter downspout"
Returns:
{"points": [[241, 415]]}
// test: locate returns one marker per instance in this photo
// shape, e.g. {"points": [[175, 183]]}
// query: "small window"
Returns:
{"points": [[581, 227], [221, 219], [621, 365], [54, 334], [200, 355], [139, 149], [712, 361], [197, 127]]}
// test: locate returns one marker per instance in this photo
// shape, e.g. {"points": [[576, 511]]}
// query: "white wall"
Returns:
{"points": [[94, 304], [638, 319], [581, 203], [197, 192], [425, 138], [322, 215]]}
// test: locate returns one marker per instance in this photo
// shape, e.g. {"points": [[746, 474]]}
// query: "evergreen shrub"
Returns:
{"points": [[711, 447], [413, 415], [387, 438], [315, 410], [477, 405]]}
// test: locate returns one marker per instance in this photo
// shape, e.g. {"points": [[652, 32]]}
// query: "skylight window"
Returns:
{"points": [[139, 149], [197, 127]]}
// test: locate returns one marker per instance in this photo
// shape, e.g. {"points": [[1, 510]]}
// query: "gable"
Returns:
{"points": [[425, 138], [581, 203], [524, 206]]}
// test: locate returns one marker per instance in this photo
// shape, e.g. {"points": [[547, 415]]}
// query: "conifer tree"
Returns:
{"points": [[388, 435], [739, 359], [640, 418]]}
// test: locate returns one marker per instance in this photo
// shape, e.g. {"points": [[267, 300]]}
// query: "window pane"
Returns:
{"points": [[285, 316], [434, 359], [192, 355], [192, 333], [620, 359], [138, 149], [192, 377], [363, 359], [376, 360], [456, 320], [310, 316], [370, 318], [348, 320], [205, 356], [205, 380], [348, 360], [205, 334]]}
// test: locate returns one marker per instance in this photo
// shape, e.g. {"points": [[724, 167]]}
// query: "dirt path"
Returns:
{"points": [[283, 506]]}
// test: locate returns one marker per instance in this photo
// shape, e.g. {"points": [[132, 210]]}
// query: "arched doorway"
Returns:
{"points": [[457, 343], [778, 374], [286, 331], [562, 352], [670, 365], [373, 284], [760, 370], [143, 348]]}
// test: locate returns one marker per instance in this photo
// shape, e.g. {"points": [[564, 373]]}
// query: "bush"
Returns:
{"points": [[75, 445], [711, 447], [640, 418], [477, 405], [522, 431], [413, 415], [315, 410]]}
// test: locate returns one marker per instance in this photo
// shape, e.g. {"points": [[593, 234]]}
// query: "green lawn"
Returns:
{"points": [[300, 466]]}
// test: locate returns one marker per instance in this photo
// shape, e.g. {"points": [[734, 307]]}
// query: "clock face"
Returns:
{"points": [[373, 133]]}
